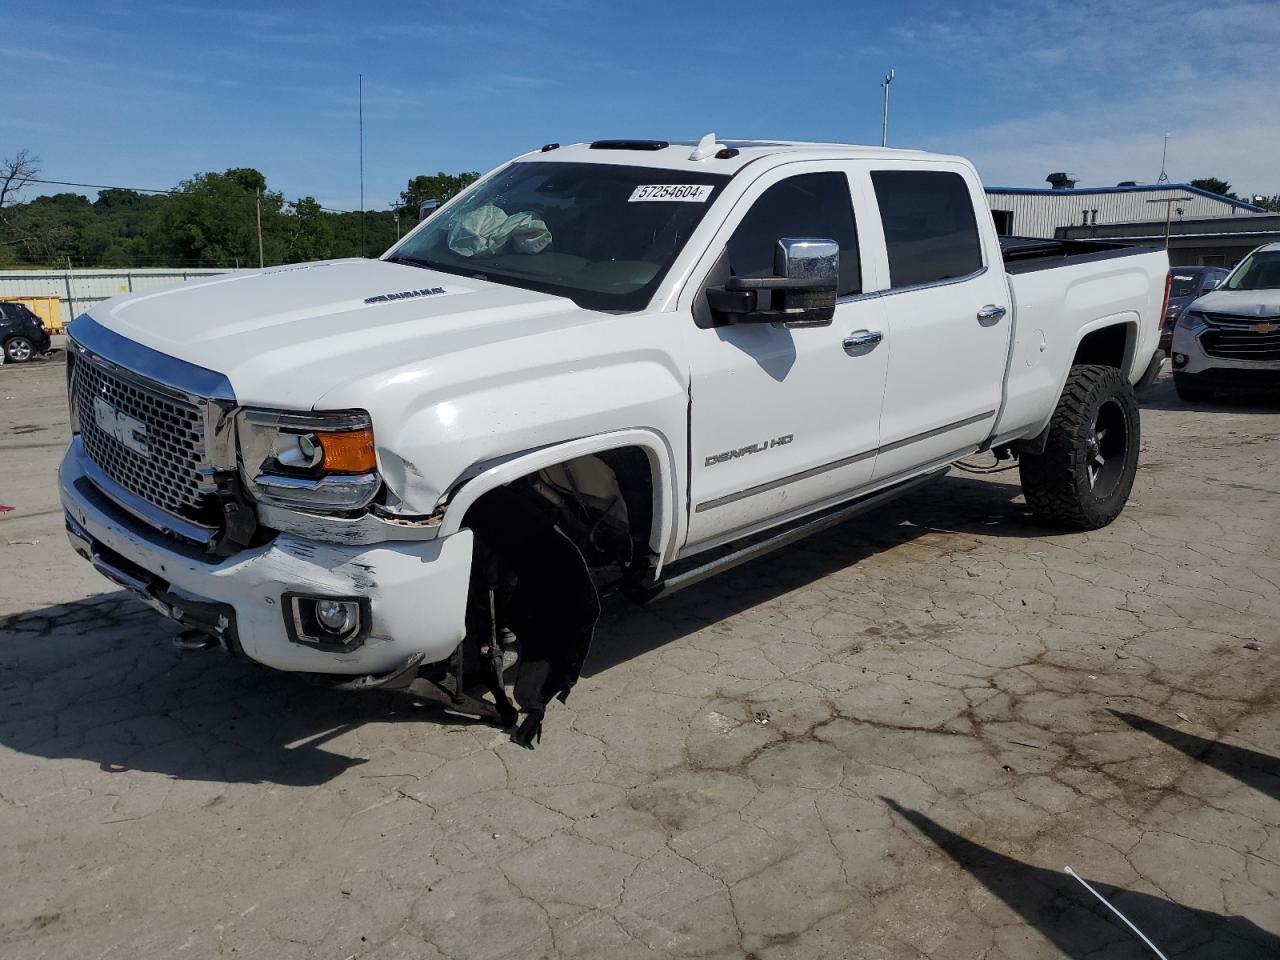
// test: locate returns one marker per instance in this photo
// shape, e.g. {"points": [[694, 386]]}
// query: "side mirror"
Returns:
{"points": [[426, 208], [802, 292]]}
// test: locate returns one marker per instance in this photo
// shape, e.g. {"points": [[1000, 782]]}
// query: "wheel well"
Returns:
{"points": [[1107, 347], [602, 501]]}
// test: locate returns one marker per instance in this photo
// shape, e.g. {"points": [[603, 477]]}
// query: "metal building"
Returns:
{"points": [[78, 289], [1218, 242], [1039, 212]]}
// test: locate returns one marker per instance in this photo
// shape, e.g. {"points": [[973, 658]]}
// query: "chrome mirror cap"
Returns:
{"points": [[807, 258]]}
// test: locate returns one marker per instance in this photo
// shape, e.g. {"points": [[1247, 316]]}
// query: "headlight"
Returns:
{"points": [[1190, 320], [316, 461]]}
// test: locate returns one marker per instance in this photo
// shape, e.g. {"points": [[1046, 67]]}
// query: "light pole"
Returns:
{"points": [[261, 262], [1168, 214], [884, 122]]}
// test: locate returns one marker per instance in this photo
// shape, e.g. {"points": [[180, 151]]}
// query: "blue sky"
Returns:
{"points": [[146, 94]]}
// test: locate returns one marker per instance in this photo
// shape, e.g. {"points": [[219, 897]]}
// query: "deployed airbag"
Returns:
{"points": [[488, 231]]}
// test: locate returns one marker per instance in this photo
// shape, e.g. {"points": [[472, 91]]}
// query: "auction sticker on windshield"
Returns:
{"points": [[684, 192]]}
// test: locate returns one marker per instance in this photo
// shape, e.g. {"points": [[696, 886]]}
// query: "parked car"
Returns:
{"points": [[1185, 285], [22, 333], [629, 362], [1231, 337]]}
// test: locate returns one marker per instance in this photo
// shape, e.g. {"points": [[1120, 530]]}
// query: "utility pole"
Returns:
{"points": [[261, 262], [1164, 155], [360, 87], [884, 122], [396, 217]]}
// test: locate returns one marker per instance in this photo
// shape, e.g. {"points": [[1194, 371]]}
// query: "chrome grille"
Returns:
{"points": [[1241, 338], [175, 475]]}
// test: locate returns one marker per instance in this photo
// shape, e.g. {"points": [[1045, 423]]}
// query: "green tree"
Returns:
{"points": [[440, 186], [1214, 185], [310, 235], [212, 220]]}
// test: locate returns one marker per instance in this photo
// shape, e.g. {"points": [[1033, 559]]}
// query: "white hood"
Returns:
{"points": [[1240, 303], [285, 336]]}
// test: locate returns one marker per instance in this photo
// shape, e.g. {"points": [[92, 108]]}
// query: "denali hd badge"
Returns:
{"points": [[406, 295], [750, 448]]}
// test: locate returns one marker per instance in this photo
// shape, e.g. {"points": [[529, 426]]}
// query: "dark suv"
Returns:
{"points": [[22, 333], [1185, 285]]}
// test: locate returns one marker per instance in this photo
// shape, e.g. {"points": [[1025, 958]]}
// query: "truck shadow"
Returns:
{"points": [[953, 505], [1252, 768], [98, 681], [1071, 919]]}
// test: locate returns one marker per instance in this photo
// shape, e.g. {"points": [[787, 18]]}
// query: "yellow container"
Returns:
{"points": [[48, 309]]}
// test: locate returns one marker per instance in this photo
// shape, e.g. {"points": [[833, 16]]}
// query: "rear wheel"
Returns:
{"points": [[18, 350], [1189, 390], [1083, 477]]}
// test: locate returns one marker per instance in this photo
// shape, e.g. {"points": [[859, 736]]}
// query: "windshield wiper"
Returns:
{"points": [[433, 265], [414, 262]]}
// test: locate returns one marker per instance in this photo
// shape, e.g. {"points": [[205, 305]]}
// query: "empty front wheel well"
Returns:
{"points": [[602, 501]]}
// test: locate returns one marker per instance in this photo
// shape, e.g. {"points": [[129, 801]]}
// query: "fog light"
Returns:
{"points": [[337, 616], [327, 623], [1179, 359]]}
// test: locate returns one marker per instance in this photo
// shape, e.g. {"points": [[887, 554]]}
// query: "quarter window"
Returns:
{"points": [[810, 205], [929, 226]]}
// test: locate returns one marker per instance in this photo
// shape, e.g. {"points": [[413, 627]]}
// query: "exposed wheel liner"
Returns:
{"points": [[1060, 484]]}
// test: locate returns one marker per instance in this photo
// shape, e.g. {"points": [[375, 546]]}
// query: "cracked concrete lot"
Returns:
{"points": [[883, 743]]}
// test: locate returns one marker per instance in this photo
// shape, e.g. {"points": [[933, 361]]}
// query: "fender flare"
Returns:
{"points": [[495, 474], [1133, 335]]}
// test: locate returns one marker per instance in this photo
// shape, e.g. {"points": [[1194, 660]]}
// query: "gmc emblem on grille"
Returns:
{"points": [[126, 430]]}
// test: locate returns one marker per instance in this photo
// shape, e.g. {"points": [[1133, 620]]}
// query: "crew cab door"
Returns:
{"points": [[946, 314], [783, 417]]}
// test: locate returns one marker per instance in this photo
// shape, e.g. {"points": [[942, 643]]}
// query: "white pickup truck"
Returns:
{"points": [[625, 364]]}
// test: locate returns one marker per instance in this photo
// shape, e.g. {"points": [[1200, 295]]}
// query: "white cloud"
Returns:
{"points": [[1222, 131], [1114, 78]]}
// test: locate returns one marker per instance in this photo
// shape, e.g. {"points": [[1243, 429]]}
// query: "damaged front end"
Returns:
{"points": [[544, 545]]}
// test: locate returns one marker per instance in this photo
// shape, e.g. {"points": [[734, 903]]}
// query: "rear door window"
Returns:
{"points": [[929, 226], [810, 206]]}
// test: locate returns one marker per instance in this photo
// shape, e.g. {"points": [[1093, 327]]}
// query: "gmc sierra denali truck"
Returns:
{"points": [[626, 364]]}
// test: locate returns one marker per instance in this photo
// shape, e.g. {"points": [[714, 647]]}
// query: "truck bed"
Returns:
{"points": [[1061, 290], [1028, 254]]}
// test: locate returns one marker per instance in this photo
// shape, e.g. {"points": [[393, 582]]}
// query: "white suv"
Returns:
{"points": [[1231, 337]]}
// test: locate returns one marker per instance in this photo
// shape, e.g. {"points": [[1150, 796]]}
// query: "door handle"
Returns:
{"points": [[862, 339], [991, 315]]}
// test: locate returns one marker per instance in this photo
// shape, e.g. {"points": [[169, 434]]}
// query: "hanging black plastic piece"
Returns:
{"points": [[553, 607]]}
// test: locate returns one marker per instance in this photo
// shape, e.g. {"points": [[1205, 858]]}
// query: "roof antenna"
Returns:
{"points": [[706, 147], [1164, 155]]}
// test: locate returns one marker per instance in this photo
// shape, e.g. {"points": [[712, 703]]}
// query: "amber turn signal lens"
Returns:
{"points": [[350, 451]]}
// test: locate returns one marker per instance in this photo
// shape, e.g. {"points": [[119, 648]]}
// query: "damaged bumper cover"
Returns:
{"points": [[416, 590]]}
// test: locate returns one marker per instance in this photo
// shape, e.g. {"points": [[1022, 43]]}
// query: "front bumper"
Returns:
{"points": [[416, 590], [1186, 344]]}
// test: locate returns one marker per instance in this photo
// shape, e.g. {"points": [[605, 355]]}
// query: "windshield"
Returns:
{"points": [[600, 234], [1258, 271], [1184, 285]]}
